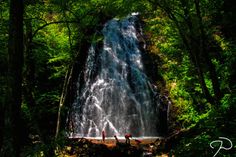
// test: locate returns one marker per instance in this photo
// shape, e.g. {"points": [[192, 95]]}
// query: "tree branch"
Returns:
{"points": [[47, 24]]}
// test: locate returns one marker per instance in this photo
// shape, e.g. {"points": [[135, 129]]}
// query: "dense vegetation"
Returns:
{"points": [[192, 42]]}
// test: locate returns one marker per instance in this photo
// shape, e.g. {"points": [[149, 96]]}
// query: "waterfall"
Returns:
{"points": [[116, 96]]}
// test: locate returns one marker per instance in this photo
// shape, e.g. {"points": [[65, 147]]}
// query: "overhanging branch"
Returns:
{"points": [[47, 24]]}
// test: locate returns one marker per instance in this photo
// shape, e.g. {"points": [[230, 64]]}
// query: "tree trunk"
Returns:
{"points": [[67, 81], [12, 128], [202, 81], [29, 79], [1, 123], [192, 47], [196, 47], [30, 67], [210, 65]]}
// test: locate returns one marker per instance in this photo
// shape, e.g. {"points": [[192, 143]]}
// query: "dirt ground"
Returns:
{"points": [[138, 147], [133, 141]]}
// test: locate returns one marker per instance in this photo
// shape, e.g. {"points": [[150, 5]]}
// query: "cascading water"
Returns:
{"points": [[116, 97]]}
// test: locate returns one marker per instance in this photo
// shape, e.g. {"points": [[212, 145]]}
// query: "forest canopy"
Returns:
{"points": [[192, 43]]}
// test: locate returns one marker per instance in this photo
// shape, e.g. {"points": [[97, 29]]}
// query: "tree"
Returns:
{"points": [[4, 12], [188, 19], [12, 107]]}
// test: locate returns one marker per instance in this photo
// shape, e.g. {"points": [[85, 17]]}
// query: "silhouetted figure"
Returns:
{"points": [[103, 136], [117, 141], [137, 141], [127, 140], [120, 144]]}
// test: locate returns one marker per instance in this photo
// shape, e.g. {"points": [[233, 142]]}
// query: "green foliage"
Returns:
{"points": [[225, 67], [209, 129], [178, 71], [190, 107], [61, 27], [195, 146]]}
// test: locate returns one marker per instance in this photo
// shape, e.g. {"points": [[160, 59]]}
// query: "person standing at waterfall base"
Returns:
{"points": [[117, 141], [103, 136], [127, 140]]}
